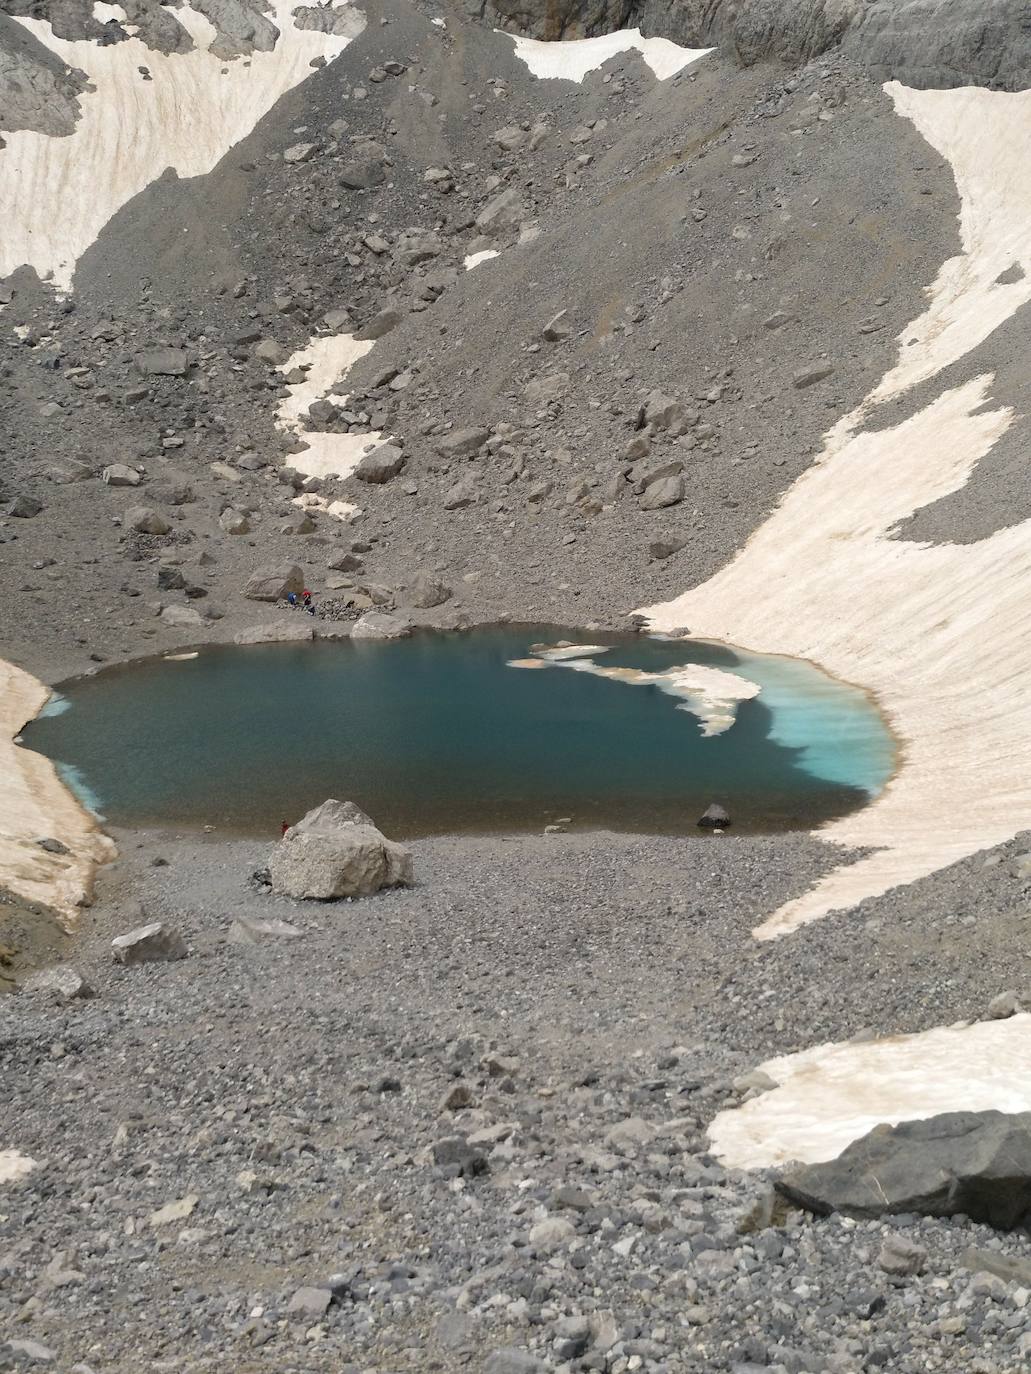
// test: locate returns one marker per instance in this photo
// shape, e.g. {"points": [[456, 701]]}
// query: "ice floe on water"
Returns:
{"points": [[573, 58], [57, 193], [14, 1166], [833, 1094], [711, 694]]}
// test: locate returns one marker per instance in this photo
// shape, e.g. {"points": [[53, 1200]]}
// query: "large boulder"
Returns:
{"points": [[381, 625], [275, 583], [975, 1163], [336, 851]]}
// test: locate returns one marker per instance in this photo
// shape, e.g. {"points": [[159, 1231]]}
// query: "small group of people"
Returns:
{"points": [[304, 602]]}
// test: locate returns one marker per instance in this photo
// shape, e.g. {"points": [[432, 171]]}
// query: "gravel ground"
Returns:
{"points": [[472, 1117]]}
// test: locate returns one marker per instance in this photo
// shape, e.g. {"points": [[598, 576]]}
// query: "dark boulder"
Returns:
{"points": [[975, 1163]]}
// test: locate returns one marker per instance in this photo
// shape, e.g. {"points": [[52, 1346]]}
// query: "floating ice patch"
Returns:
{"points": [[14, 1166], [831, 1095], [57, 193], [573, 58], [558, 653], [708, 693], [56, 706]]}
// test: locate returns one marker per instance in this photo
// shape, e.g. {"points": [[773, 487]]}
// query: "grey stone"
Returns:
{"points": [[295, 629], [666, 491], [271, 352], [1009, 1268], [250, 930], [380, 465], [462, 493], [329, 855], [462, 443], [182, 616], [901, 1256], [300, 152], [32, 1352], [145, 520], [309, 1302], [977, 1163], [381, 323], [120, 475], [502, 212], [274, 583], [510, 1360], [665, 413], [163, 362], [24, 507], [427, 591], [557, 328], [362, 175], [61, 981], [381, 625], [234, 521], [510, 139], [809, 376], [714, 817], [152, 943], [1004, 1005]]}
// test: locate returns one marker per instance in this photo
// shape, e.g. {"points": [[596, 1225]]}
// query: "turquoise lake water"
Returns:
{"points": [[437, 734]]}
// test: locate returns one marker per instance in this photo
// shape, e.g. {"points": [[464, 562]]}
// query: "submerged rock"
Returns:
{"points": [[975, 1163], [714, 818], [336, 851]]}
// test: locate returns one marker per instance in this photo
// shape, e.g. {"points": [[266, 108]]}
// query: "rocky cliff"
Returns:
{"points": [[925, 43]]}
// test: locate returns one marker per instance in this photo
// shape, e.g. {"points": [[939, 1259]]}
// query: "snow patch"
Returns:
{"points": [[573, 58], [831, 1095], [57, 193], [14, 1166], [472, 260], [327, 360], [929, 629]]}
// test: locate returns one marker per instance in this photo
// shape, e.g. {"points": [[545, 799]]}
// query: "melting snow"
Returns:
{"points": [[572, 59], [831, 1095]]}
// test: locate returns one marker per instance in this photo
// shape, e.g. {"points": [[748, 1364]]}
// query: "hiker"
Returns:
{"points": [[291, 598], [284, 826]]}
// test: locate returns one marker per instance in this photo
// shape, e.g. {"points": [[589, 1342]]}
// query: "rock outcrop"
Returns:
{"points": [[336, 851], [975, 1163], [924, 43]]}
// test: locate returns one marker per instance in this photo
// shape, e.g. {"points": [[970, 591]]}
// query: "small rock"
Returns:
{"points": [[901, 1256], [119, 475], [145, 520], [152, 943], [309, 1302], [427, 591], [274, 583], [61, 980], [809, 376], [174, 1211]]}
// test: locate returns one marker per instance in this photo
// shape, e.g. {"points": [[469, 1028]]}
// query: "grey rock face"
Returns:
{"points": [[149, 944], [37, 90], [336, 851], [924, 43], [274, 584], [977, 1163]]}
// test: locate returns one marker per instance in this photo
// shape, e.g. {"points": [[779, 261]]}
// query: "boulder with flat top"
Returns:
{"points": [[336, 851]]}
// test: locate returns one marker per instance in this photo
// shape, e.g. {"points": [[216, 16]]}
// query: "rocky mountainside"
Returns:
{"points": [[925, 43], [355, 300]]}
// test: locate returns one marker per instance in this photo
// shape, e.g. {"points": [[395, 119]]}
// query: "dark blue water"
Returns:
{"points": [[437, 734]]}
